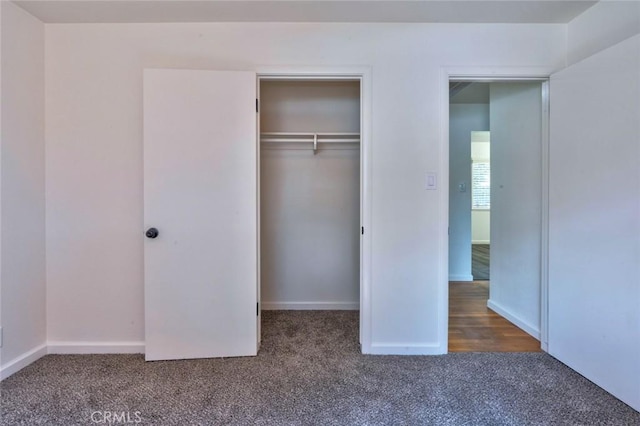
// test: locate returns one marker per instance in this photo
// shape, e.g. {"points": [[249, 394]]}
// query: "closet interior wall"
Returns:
{"points": [[310, 200]]}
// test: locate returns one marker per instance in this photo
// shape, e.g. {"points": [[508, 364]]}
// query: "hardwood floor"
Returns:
{"points": [[480, 261], [475, 328]]}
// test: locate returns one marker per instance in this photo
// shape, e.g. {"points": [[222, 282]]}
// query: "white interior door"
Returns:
{"points": [[200, 192], [516, 202], [594, 219]]}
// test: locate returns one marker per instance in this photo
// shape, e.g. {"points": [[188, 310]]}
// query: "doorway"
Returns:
{"points": [[310, 200], [496, 164]]}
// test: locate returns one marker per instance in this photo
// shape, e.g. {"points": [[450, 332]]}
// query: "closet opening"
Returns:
{"points": [[310, 215]]}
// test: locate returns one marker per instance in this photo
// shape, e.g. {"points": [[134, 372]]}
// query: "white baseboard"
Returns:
{"points": [[310, 306], [514, 319], [480, 242], [461, 277], [68, 348], [404, 349], [22, 361]]}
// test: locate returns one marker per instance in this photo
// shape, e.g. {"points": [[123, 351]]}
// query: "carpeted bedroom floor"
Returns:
{"points": [[309, 372]]}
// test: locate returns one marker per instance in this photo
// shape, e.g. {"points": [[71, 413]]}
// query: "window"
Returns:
{"points": [[481, 185]]}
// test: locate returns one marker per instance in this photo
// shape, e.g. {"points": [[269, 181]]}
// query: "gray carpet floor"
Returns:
{"points": [[309, 372]]}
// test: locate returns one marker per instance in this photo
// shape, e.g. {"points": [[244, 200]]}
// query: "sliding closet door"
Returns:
{"points": [[594, 219], [200, 196]]}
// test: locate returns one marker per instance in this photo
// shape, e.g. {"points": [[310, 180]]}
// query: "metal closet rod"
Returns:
{"points": [[309, 133], [309, 137], [293, 137]]}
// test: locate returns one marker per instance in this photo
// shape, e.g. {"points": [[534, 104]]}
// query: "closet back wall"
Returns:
{"points": [[310, 202]]}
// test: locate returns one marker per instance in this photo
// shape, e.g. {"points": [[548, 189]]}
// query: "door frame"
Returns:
{"points": [[489, 75], [363, 74]]}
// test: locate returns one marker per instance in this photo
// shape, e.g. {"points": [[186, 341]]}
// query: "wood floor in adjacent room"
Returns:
{"points": [[475, 328]]}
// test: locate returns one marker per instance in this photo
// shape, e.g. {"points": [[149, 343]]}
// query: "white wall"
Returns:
{"points": [[463, 119], [310, 202], [94, 154], [1, 108], [481, 145], [309, 106], [606, 23], [23, 204], [481, 227], [594, 219]]}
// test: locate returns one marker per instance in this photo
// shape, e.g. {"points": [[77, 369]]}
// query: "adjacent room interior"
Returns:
{"points": [[495, 215]]}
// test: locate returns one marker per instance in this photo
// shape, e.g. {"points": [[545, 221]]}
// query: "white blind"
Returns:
{"points": [[480, 185]]}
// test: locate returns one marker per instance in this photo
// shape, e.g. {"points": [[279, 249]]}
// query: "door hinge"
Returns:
{"points": [[362, 230], [257, 105], [257, 308]]}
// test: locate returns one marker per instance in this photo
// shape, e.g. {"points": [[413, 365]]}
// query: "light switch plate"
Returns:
{"points": [[432, 180]]}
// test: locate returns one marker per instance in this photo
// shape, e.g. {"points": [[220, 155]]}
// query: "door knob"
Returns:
{"points": [[151, 233]]}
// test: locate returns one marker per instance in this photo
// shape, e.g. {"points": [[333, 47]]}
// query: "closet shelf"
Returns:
{"points": [[312, 138]]}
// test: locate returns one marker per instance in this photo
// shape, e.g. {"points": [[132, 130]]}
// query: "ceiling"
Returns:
{"points": [[469, 93], [428, 11]]}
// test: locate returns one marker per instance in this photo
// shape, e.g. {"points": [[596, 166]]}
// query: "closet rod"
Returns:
{"points": [[293, 137], [309, 137], [310, 134], [285, 140]]}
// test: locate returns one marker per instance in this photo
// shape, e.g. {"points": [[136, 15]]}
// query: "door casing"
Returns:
{"points": [[493, 75]]}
